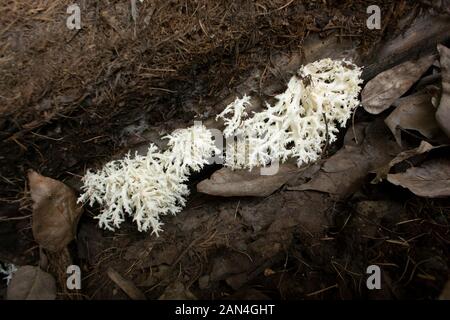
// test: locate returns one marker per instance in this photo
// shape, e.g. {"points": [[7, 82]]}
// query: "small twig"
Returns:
{"points": [[73, 36], [284, 6], [46, 137], [322, 290], [13, 138], [237, 208], [126, 285], [94, 138], [15, 218]]}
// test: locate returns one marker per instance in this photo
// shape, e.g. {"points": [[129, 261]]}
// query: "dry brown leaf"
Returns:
{"points": [[55, 212], [402, 156], [31, 283], [443, 112], [415, 112], [345, 171], [126, 285], [431, 179], [380, 92], [239, 183]]}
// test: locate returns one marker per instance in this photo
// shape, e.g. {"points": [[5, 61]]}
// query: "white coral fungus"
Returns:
{"points": [[321, 96], [8, 271], [147, 187]]}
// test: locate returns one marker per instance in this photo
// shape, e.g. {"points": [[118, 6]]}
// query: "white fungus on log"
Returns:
{"points": [[318, 99]]}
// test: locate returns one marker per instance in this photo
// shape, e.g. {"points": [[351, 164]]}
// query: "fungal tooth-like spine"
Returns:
{"points": [[148, 187], [237, 108], [322, 96]]}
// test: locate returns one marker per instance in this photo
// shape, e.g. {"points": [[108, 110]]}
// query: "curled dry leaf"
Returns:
{"points": [[240, 183], [388, 86], [443, 112], [415, 112], [402, 156], [31, 283], [431, 179], [55, 212]]}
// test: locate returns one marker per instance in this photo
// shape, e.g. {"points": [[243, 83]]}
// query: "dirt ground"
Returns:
{"points": [[71, 100]]}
